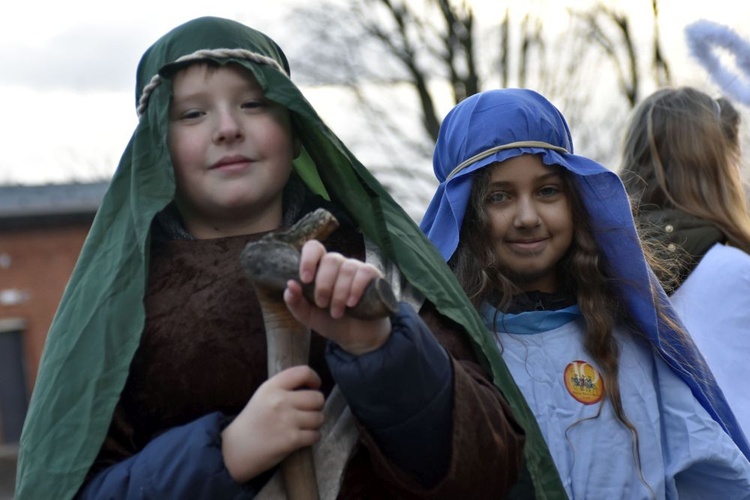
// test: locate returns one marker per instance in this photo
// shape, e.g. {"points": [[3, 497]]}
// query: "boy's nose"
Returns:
{"points": [[228, 129]]}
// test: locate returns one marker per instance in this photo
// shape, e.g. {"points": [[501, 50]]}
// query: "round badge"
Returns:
{"points": [[583, 382]]}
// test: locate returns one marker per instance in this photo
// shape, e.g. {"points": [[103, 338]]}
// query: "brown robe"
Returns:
{"points": [[204, 350]]}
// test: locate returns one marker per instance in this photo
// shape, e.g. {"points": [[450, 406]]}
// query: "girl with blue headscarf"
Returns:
{"points": [[544, 244]]}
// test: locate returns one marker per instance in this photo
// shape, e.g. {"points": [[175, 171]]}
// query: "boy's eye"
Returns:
{"points": [[255, 104], [191, 114]]}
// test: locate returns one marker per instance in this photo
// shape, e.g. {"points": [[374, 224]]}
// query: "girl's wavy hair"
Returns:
{"points": [[682, 150], [581, 272]]}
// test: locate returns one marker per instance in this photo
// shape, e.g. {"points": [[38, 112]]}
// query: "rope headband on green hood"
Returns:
{"points": [[202, 55]]}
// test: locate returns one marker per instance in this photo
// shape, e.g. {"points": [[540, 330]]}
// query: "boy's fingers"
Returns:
{"points": [[325, 278], [307, 437], [310, 255], [297, 377], [342, 287], [293, 296], [364, 275], [310, 420], [308, 400]]}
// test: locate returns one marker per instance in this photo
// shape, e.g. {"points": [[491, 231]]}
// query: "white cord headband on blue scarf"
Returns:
{"points": [[493, 120], [512, 145]]}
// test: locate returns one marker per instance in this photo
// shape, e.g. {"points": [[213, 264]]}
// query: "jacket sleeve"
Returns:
{"points": [[459, 412], [184, 462], [402, 393]]}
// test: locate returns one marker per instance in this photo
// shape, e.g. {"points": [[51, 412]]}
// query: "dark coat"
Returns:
{"points": [[203, 355]]}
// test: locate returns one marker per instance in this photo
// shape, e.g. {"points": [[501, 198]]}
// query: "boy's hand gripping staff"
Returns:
{"points": [[269, 263]]}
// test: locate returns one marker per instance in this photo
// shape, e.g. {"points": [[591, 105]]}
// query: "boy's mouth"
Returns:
{"points": [[230, 161]]}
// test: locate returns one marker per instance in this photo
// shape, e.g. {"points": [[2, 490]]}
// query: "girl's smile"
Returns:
{"points": [[531, 222], [528, 246]]}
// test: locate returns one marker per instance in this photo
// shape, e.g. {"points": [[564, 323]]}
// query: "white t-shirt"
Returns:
{"points": [[714, 305]]}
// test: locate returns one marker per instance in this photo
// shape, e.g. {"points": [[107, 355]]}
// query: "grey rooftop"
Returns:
{"points": [[51, 199], [49, 205]]}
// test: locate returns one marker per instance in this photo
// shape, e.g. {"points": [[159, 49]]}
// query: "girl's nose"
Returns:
{"points": [[526, 214], [228, 129]]}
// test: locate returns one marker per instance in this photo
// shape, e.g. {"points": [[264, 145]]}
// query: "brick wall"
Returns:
{"points": [[35, 265]]}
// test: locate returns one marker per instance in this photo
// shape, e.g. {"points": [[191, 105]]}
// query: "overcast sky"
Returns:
{"points": [[67, 71]]}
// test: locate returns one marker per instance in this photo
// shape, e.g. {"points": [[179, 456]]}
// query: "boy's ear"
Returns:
{"points": [[297, 147]]}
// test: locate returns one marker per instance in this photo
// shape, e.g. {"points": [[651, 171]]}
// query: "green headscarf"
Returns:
{"points": [[98, 325]]}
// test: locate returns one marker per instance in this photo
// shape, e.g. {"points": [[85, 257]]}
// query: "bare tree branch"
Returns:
{"points": [[661, 68], [441, 53], [625, 65]]}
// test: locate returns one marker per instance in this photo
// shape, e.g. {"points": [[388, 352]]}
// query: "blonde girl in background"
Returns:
{"points": [[681, 164]]}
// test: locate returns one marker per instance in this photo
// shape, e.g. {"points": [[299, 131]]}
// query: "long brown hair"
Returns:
{"points": [[582, 273], [682, 150]]}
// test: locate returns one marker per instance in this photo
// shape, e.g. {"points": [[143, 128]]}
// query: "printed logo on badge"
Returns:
{"points": [[583, 382]]}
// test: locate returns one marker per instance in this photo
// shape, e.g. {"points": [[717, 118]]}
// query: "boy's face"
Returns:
{"points": [[531, 221], [232, 151]]}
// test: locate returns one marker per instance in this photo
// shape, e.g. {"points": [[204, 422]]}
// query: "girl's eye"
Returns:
{"points": [[548, 191], [497, 197]]}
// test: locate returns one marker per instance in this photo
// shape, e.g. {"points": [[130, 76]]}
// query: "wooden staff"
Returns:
{"points": [[270, 263]]}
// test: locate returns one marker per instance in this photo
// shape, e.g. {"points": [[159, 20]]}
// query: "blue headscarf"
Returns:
{"points": [[496, 125]]}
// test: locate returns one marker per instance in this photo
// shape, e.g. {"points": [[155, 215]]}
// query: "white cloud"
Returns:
{"points": [[84, 57], [67, 70]]}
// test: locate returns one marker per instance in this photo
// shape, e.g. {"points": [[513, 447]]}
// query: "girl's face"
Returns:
{"points": [[531, 221], [232, 151]]}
